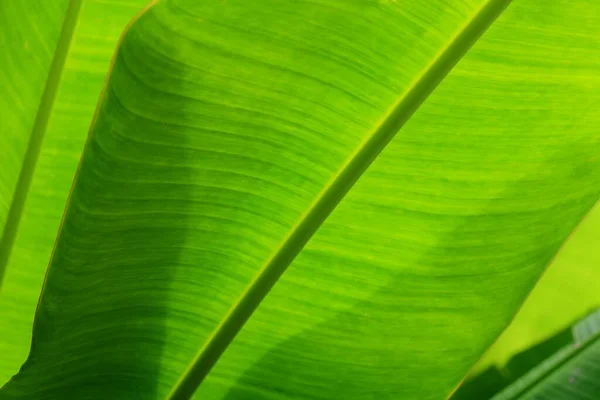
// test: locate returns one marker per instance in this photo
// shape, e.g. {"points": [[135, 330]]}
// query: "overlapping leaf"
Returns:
{"points": [[50, 83], [572, 373]]}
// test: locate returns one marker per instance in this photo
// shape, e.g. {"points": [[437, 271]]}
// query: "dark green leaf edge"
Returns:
{"points": [[586, 333], [530, 368]]}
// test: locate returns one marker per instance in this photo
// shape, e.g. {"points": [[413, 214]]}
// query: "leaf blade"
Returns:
{"points": [[436, 234], [565, 293], [333, 193], [61, 132], [360, 93], [201, 212]]}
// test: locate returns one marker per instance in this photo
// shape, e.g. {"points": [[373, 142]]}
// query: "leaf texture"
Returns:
{"points": [[226, 124], [452, 247], [50, 87], [568, 290]]}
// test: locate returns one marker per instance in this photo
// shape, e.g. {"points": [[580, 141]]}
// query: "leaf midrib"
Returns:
{"points": [[38, 132], [417, 92]]}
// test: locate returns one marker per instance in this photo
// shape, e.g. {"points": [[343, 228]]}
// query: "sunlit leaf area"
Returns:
{"points": [[299, 200]]}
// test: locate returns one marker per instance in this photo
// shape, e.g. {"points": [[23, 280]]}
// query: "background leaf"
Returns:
{"points": [[486, 384], [24, 66], [59, 120], [572, 373]]}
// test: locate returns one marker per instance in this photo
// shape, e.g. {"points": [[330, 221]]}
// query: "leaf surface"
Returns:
{"points": [[568, 290], [459, 242], [572, 373], [54, 58], [227, 135]]}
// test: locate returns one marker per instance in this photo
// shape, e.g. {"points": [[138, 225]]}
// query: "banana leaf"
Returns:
{"points": [[274, 203], [53, 62], [572, 373], [484, 385], [566, 292]]}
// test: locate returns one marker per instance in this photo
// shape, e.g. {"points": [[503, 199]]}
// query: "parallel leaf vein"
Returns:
{"points": [[421, 87]]}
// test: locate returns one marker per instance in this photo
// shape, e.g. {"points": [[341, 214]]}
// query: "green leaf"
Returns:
{"points": [[486, 384], [226, 137], [50, 87], [572, 373], [566, 292]]}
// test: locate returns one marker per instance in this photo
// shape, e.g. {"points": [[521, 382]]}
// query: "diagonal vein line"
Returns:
{"points": [[37, 135], [333, 193]]}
